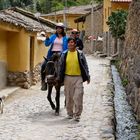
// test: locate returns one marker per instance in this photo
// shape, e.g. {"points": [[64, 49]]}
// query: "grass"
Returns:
{"points": [[117, 63], [138, 132]]}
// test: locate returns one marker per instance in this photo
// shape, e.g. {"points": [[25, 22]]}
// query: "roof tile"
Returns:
{"points": [[25, 19]]}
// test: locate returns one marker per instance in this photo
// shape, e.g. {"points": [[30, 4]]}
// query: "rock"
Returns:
{"points": [[130, 67], [102, 55], [26, 85]]}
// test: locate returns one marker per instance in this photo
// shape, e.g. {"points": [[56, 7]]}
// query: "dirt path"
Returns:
{"points": [[28, 115]]}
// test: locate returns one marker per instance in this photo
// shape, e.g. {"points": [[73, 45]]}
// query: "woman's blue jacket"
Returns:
{"points": [[50, 41]]}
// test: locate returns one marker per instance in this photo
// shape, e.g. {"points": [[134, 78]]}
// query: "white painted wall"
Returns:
{"points": [[3, 74]]}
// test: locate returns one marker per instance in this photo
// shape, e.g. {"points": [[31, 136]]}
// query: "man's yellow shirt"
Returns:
{"points": [[72, 64]]}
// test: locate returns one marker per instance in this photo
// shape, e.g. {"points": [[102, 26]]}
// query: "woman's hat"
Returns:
{"points": [[60, 24]]}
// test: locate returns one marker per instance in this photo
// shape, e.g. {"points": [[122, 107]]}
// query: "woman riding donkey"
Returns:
{"points": [[58, 42]]}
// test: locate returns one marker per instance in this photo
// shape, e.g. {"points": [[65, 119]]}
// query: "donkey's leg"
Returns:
{"points": [[49, 96], [57, 99], [65, 103]]}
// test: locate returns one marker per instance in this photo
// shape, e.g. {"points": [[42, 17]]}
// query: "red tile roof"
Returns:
{"points": [[121, 0]]}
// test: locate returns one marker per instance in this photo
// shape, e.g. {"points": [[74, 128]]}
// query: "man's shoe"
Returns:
{"points": [[44, 86], [77, 118], [69, 117]]}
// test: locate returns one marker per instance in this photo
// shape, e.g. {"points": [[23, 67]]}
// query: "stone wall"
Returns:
{"points": [[109, 44], [36, 74], [130, 65], [3, 73], [24, 79], [97, 30]]}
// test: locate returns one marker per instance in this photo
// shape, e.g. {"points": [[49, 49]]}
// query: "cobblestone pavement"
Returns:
{"points": [[30, 117]]}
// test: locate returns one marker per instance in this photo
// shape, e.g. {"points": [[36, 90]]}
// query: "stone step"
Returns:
{"points": [[7, 91]]}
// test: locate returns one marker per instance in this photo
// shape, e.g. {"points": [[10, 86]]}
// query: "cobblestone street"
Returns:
{"points": [[30, 116]]}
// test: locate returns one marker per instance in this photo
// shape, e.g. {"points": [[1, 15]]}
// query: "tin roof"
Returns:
{"points": [[121, 0], [24, 19]]}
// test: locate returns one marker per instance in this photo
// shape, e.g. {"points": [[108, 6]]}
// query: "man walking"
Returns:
{"points": [[79, 43], [73, 72]]}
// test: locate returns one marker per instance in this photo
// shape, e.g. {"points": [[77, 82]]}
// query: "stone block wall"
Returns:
{"points": [[130, 64], [21, 79], [97, 30], [3, 74], [109, 43], [24, 79], [36, 74]]}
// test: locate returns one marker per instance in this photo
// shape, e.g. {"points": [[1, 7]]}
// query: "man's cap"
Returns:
{"points": [[74, 30]]}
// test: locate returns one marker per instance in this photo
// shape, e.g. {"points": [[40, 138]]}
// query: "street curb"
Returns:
{"points": [[8, 91]]}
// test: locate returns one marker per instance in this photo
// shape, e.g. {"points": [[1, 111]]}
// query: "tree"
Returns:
{"points": [[45, 6], [21, 3], [38, 7], [1, 5], [99, 1], [6, 4], [117, 24]]}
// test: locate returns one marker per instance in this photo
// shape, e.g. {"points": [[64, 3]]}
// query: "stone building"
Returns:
{"points": [[20, 51], [68, 15], [94, 43]]}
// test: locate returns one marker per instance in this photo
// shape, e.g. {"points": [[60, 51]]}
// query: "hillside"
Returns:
{"points": [[43, 6]]}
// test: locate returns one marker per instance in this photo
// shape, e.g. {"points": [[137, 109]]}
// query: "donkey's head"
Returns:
{"points": [[52, 68]]}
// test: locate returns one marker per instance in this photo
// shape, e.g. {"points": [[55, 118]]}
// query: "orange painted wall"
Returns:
{"points": [[40, 51], [15, 49], [3, 46], [108, 7], [106, 13], [120, 5], [69, 18], [18, 51]]}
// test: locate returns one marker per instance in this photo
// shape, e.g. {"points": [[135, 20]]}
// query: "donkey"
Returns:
{"points": [[51, 72]]}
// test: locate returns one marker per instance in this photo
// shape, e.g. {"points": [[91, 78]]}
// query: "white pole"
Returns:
{"points": [[64, 13], [92, 33]]}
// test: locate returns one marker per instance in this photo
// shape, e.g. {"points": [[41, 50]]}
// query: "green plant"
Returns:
{"points": [[117, 23], [99, 1], [117, 63], [138, 131], [124, 82]]}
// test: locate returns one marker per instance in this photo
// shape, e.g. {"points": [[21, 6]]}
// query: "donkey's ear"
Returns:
{"points": [[45, 58]]}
